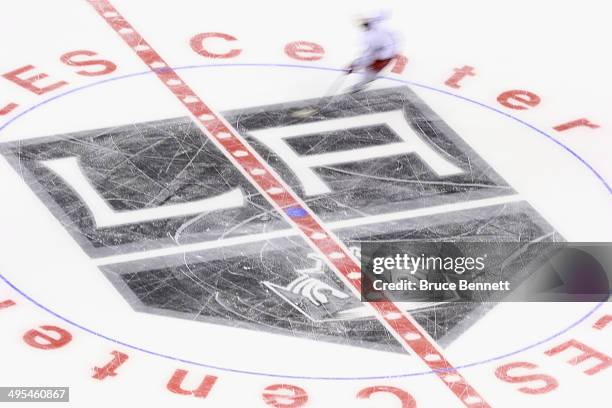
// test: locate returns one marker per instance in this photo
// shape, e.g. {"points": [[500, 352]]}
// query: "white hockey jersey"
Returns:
{"points": [[379, 43]]}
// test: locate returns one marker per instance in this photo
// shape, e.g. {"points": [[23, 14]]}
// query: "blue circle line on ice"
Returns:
{"points": [[303, 377]]}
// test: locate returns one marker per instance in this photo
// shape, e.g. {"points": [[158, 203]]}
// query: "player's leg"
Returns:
{"points": [[370, 73], [368, 76]]}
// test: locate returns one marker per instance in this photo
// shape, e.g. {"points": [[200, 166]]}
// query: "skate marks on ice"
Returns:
{"points": [[343, 170], [375, 166], [281, 286]]}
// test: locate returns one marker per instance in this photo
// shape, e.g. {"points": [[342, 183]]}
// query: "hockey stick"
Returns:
{"points": [[307, 112]]}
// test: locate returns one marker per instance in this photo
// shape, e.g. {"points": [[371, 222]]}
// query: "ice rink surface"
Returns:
{"points": [[142, 264]]}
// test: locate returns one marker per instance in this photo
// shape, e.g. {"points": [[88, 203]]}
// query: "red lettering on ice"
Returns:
{"points": [[405, 398], [44, 341], [304, 51], [548, 383], [459, 74], [285, 396], [574, 124], [29, 82], [175, 384], [519, 100], [105, 66], [110, 369], [587, 353], [197, 44]]}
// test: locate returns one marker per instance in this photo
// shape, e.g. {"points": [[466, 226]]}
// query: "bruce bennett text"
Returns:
{"points": [[462, 284]]}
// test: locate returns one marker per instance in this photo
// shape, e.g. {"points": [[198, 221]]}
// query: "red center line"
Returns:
{"points": [[401, 325]]}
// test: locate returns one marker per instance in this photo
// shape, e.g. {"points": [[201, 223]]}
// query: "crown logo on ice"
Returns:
{"points": [[310, 288], [311, 296]]}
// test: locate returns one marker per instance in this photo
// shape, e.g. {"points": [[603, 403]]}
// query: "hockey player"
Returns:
{"points": [[380, 47]]}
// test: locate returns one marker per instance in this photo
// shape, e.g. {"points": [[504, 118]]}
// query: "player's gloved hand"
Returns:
{"points": [[350, 69]]}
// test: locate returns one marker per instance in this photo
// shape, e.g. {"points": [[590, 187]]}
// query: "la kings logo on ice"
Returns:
{"points": [[376, 166]]}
